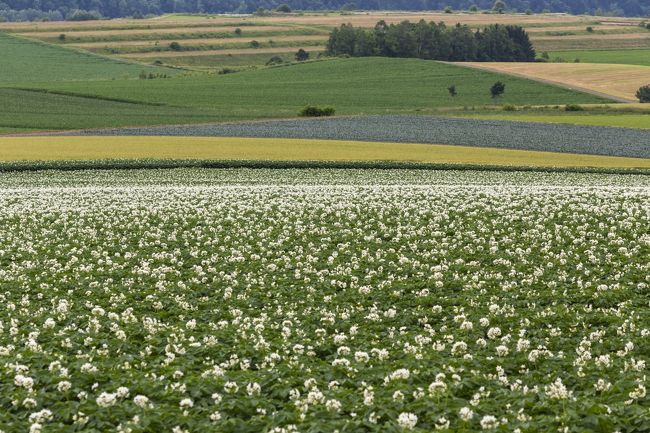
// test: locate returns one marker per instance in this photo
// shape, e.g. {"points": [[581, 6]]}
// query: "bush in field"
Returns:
{"points": [[312, 111], [175, 46], [509, 107], [573, 107], [302, 55], [497, 89], [643, 93], [283, 8], [452, 90]]}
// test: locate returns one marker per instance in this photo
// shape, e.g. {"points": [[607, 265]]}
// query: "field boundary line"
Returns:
{"points": [[85, 96], [144, 164]]}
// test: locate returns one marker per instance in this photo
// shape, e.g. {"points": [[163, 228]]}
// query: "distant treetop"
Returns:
{"points": [[26, 10]]}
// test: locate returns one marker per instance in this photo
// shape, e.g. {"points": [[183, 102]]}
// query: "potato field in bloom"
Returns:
{"points": [[197, 300]]}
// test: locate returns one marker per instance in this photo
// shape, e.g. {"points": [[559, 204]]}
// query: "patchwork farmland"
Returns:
{"points": [[212, 223], [212, 41]]}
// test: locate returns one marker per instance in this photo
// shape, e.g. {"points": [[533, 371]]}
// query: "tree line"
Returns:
{"points": [[434, 41], [25, 10]]}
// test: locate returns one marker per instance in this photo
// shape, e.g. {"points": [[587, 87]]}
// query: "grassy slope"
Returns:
{"points": [[24, 60], [214, 148], [352, 86], [616, 120], [24, 111], [626, 57]]}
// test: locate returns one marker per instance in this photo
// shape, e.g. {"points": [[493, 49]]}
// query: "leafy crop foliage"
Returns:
{"points": [[433, 41], [364, 85], [322, 300]]}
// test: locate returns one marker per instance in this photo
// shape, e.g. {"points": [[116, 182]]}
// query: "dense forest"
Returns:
{"points": [[433, 41], [22, 10]]}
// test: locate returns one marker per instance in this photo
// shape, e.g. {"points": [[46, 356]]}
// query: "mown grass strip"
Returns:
{"points": [[278, 149]]}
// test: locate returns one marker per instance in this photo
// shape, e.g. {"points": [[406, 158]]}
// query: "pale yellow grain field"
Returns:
{"points": [[617, 81]]}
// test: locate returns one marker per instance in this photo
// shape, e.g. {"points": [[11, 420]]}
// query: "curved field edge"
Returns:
{"points": [[420, 129], [55, 151]]}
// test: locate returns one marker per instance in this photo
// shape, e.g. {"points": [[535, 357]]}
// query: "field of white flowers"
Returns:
{"points": [[321, 300]]}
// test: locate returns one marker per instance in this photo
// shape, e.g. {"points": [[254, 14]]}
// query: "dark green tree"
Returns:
{"points": [[302, 55], [643, 94], [497, 89]]}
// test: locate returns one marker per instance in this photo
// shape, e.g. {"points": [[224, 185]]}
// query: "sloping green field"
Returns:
{"points": [[27, 60], [351, 86]]}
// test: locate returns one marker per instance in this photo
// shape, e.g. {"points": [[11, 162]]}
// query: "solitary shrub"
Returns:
{"points": [[283, 8], [238, 31], [175, 46], [643, 93], [254, 44], [448, 9], [573, 107], [312, 111], [452, 90], [590, 29], [497, 89], [509, 107], [302, 55], [473, 8], [62, 37]]}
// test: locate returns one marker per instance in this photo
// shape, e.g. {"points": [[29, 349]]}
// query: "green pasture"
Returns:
{"points": [[25, 60], [23, 111], [352, 86], [625, 57]]}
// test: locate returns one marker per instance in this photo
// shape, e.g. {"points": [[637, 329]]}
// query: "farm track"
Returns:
{"points": [[423, 129]]}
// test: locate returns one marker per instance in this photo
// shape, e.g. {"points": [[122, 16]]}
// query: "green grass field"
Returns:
{"points": [[615, 120], [352, 86], [628, 57], [264, 149], [25, 60], [23, 111]]}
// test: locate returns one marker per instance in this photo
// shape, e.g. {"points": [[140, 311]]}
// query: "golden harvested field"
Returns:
{"points": [[220, 148], [618, 81]]}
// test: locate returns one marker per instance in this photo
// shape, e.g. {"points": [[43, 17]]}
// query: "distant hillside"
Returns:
{"points": [[24, 10]]}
